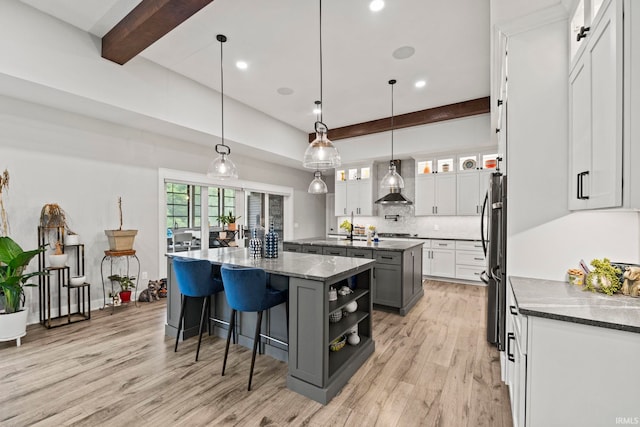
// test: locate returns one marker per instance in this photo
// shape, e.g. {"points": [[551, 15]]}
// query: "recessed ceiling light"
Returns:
{"points": [[285, 91], [420, 83], [403, 52], [376, 5], [242, 65]]}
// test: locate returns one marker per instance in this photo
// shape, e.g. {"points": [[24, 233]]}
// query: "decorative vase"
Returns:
{"points": [[255, 245], [13, 326], [271, 243], [353, 338]]}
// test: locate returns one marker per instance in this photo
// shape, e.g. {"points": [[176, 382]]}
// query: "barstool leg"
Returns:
{"points": [[204, 313], [226, 350], [180, 322], [256, 340]]}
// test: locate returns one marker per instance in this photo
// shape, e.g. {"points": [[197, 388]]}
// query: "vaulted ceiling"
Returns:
{"points": [[279, 40]]}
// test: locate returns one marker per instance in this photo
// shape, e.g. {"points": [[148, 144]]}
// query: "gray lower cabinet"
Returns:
{"points": [[386, 291], [291, 247], [312, 364], [334, 251], [398, 279], [308, 249]]}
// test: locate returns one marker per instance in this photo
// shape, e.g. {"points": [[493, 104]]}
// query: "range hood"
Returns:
{"points": [[394, 197]]}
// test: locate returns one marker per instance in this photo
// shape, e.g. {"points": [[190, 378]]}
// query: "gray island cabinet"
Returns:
{"points": [[397, 284], [313, 369]]}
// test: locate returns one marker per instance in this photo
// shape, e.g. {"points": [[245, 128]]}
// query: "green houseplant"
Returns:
{"points": [[13, 279], [230, 220], [126, 283]]}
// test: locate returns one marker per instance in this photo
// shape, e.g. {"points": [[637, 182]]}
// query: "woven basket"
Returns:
{"points": [[335, 316], [338, 343]]}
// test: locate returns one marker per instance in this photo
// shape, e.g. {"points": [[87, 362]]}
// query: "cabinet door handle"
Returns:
{"points": [[580, 185], [478, 259], [436, 210], [583, 33], [510, 336], [512, 310], [374, 272], [442, 244], [358, 255], [386, 257]]}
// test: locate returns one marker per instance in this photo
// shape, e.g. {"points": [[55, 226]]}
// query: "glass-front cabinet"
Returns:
{"points": [[354, 190], [453, 184]]}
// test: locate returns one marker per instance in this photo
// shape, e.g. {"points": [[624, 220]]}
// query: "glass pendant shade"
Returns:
{"points": [[318, 186], [222, 167], [392, 181], [321, 154]]}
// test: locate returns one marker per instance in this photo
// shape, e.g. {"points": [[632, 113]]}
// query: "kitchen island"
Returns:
{"points": [[572, 355], [397, 284], [313, 370]]}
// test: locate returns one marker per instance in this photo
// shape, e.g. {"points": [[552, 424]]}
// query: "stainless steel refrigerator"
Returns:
{"points": [[493, 226]]}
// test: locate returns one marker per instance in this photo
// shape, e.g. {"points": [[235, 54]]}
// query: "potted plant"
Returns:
{"points": [[604, 277], [120, 240], [126, 283], [53, 222], [230, 220], [13, 279]]}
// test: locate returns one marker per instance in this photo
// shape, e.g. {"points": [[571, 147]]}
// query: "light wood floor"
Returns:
{"points": [[432, 367]]}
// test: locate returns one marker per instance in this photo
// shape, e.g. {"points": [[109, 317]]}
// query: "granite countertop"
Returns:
{"points": [[414, 237], [561, 301], [305, 266], [386, 244]]}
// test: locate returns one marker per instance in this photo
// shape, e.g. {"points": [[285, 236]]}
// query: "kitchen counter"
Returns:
{"points": [[417, 237], [397, 274], [302, 334], [561, 301], [388, 244]]}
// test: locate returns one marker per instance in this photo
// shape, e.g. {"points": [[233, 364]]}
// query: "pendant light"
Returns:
{"points": [[321, 154], [392, 181], [222, 167], [318, 186]]}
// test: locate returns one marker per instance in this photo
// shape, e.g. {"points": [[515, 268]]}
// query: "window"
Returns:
{"points": [[183, 204], [177, 205]]}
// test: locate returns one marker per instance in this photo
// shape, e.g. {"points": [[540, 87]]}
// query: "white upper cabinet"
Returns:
{"points": [[595, 114], [473, 181], [354, 190]]}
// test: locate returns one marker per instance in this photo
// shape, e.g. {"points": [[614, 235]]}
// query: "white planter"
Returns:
{"points": [[72, 239], [58, 260], [13, 326]]}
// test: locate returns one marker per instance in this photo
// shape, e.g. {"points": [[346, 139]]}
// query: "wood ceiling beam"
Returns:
{"points": [[146, 24], [417, 118]]}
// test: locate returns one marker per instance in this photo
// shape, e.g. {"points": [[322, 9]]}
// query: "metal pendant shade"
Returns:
{"points": [[321, 154], [318, 186], [222, 167], [392, 181]]}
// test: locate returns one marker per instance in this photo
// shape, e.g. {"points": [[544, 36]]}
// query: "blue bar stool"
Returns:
{"points": [[246, 289], [195, 280]]}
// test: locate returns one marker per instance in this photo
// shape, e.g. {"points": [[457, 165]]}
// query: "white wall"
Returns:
{"points": [[544, 237], [47, 61], [84, 164]]}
